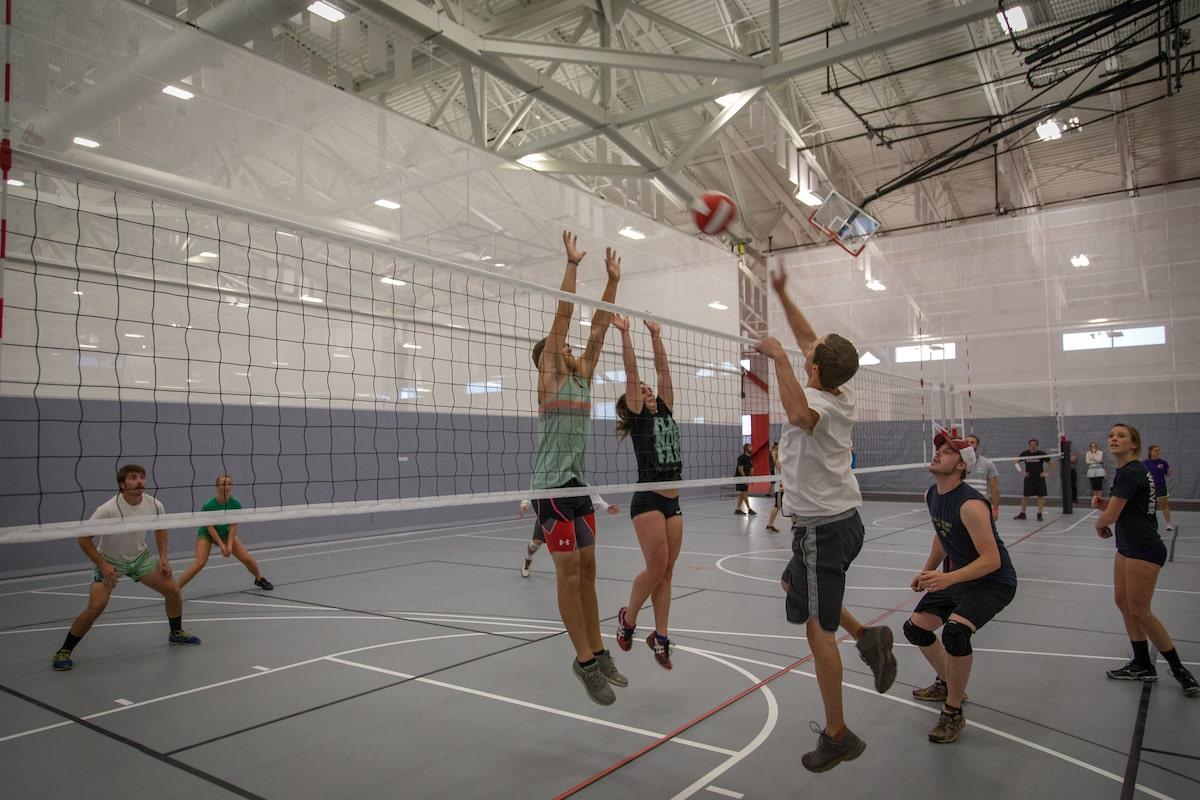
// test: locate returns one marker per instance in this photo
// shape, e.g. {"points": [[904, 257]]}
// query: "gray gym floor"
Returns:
{"points": [[420, 664]]}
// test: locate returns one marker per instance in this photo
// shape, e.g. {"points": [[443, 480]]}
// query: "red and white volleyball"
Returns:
{"points": [[713, 211]]}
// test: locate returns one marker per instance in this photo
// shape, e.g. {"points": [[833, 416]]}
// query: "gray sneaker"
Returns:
{"points": [[875, 647], [594, 681], [948, 727], [830, 752], [936, 692], [608, 668]]}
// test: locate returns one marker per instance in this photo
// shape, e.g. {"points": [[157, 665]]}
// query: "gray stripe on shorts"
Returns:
{"points": [[809, 544]]}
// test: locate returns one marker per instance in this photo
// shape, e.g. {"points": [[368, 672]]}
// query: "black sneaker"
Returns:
{"points": [[875, 647], [1020, 516], [1187, 681], [1134, 671], [752, 513], [264, 584], [739, 511], [772, 529], [624, 632], [830, 752]]}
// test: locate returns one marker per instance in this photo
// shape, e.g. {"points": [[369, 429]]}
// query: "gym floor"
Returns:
{"points": [[420, 664]]}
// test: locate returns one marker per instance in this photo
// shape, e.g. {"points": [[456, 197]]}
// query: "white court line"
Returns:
{"points": [[724, 792], [357, 617], [988, 728], [535, 706], [292, 607], [261, 669], [878, 520], [121, 701], [598, 546]]}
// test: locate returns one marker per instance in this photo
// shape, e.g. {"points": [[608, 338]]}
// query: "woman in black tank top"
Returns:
{"points": [[646, 417]]}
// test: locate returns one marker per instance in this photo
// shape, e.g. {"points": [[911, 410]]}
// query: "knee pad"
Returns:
{"points": [[957, 639], [918, 635]]}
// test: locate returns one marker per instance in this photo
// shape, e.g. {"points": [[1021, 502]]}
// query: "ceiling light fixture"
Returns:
{"points": [[1049, 130], [175, 91], [82, 142], [726, 100], [308, 298], [208, 254], [1013, 20], [718, 305], [390, 205], [15, 182], [868, 359], [501, 264], [327, 11], [1080, 260], [411, 346], [532, 160], [804, 187], [631, 233], [391, 281], [1099, 320]]}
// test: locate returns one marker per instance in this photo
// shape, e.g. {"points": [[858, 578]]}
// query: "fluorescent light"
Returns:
{"points": [[326, 11], [1013, 20], [485, 258], [875, 285], [718, 305], [411, 346], [308, 298], [142, 382], [532, 160], [175, 91], [208, 254], [82, 142], [1099, 320], [585, 323], [135, 336], [809, 197], [15, 182], [390, 205], [1049, 130], [285, 233], [630, 233], [1080, 260], [340, 355], [726, 100], [77, 293], [83, 346], [279, 363], [242, 374], [868, 359], [501, 264], [391, 281]]}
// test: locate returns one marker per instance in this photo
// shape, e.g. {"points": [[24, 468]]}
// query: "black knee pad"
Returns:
{"points": [[918, 635], [956, 637]]}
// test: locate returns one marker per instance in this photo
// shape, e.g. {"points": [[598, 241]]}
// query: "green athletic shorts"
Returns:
{"points": [[136, 568]]}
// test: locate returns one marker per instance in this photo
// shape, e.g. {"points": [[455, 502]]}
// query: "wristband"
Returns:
{"points": [[569, 261]]}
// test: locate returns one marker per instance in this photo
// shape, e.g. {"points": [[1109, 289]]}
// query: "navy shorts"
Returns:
{"points": [[566, 523], [644, 502], [815, 578], [1161, 491], [1143, 549], [1097, 483], [1034, 487], [975, 601]]}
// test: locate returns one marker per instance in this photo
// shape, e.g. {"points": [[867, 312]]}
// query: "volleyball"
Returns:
{"points": [[713, 211]]}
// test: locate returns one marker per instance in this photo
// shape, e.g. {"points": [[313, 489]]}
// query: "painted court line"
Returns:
{"points": [[724, 792], [526, 704]]}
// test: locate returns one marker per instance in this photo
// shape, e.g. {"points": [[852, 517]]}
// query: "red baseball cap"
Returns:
{"points": [[962, 446]]}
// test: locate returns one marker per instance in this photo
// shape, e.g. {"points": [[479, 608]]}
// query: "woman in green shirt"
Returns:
{"points": [[224, 535]]}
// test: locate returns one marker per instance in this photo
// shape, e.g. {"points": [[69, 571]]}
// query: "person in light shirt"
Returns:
{"points": [[118, 554]]}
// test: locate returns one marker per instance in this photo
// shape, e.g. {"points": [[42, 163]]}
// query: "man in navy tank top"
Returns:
{"points": [[977, 582]]}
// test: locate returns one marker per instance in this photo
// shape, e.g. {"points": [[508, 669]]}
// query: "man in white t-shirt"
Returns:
{"points": [[118, 554], [822, 498], [984, 478]]}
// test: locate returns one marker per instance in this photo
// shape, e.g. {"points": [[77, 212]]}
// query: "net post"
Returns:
{"points": [[1065, 474], [1174, 536]]}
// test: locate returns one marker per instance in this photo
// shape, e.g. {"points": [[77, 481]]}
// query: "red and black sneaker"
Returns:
{"points": [[662, 648], [624, 632]]}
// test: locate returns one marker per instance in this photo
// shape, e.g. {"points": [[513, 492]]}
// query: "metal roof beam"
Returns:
{"points": [[610, 57]]}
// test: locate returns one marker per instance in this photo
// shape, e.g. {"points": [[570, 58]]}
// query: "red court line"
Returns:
{"points": [[749, 690]]}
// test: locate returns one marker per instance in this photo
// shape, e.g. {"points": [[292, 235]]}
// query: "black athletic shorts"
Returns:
{"points": [[742, 487], [653, 501], [1097, 483], [1143, 549], [815, 578], [1035, 487], [779, 499], [975, 601], [1161, 491]]}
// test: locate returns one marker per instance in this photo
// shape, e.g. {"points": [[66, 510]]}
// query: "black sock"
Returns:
{"points": [[1141, 653], [953, 709], [1172, 657], [591, 662], [176, 623], [598, 653], [72, 640]]}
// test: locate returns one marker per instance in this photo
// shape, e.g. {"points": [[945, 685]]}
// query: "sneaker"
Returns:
{"points": [[1170, 527], [624, 632], [662, 649], [608, 668], [182, 637], [830, 752], [1020, 516], [1039, 517], [264, 584], [1186, 680], [594, 681], [936, 692], [875, 648], [752, 513], [1134, 671], [739, 511], [62, 661], [772, 529], [525, 567], [948, 727]]}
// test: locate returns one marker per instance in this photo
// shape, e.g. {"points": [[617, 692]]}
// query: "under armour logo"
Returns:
{"points": [[563, 542]]}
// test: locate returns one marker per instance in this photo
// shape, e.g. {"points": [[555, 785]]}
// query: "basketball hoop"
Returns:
{"points": [[847, 225]]}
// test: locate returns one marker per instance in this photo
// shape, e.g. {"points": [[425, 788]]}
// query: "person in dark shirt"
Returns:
{"points": [[1140, 555], [1032, 464], [1160, 470], [646, 417], [745, 468], [976, 582]]}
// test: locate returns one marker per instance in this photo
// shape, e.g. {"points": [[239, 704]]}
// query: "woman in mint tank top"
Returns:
{"points": [[224, 536], [567, 520], [647, 417]]}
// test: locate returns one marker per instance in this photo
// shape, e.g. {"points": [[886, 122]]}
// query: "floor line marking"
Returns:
{"points": [[724, 792]]}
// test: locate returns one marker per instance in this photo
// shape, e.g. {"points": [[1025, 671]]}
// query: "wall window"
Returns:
{"points": [[930, 351], [1117, 337]]}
